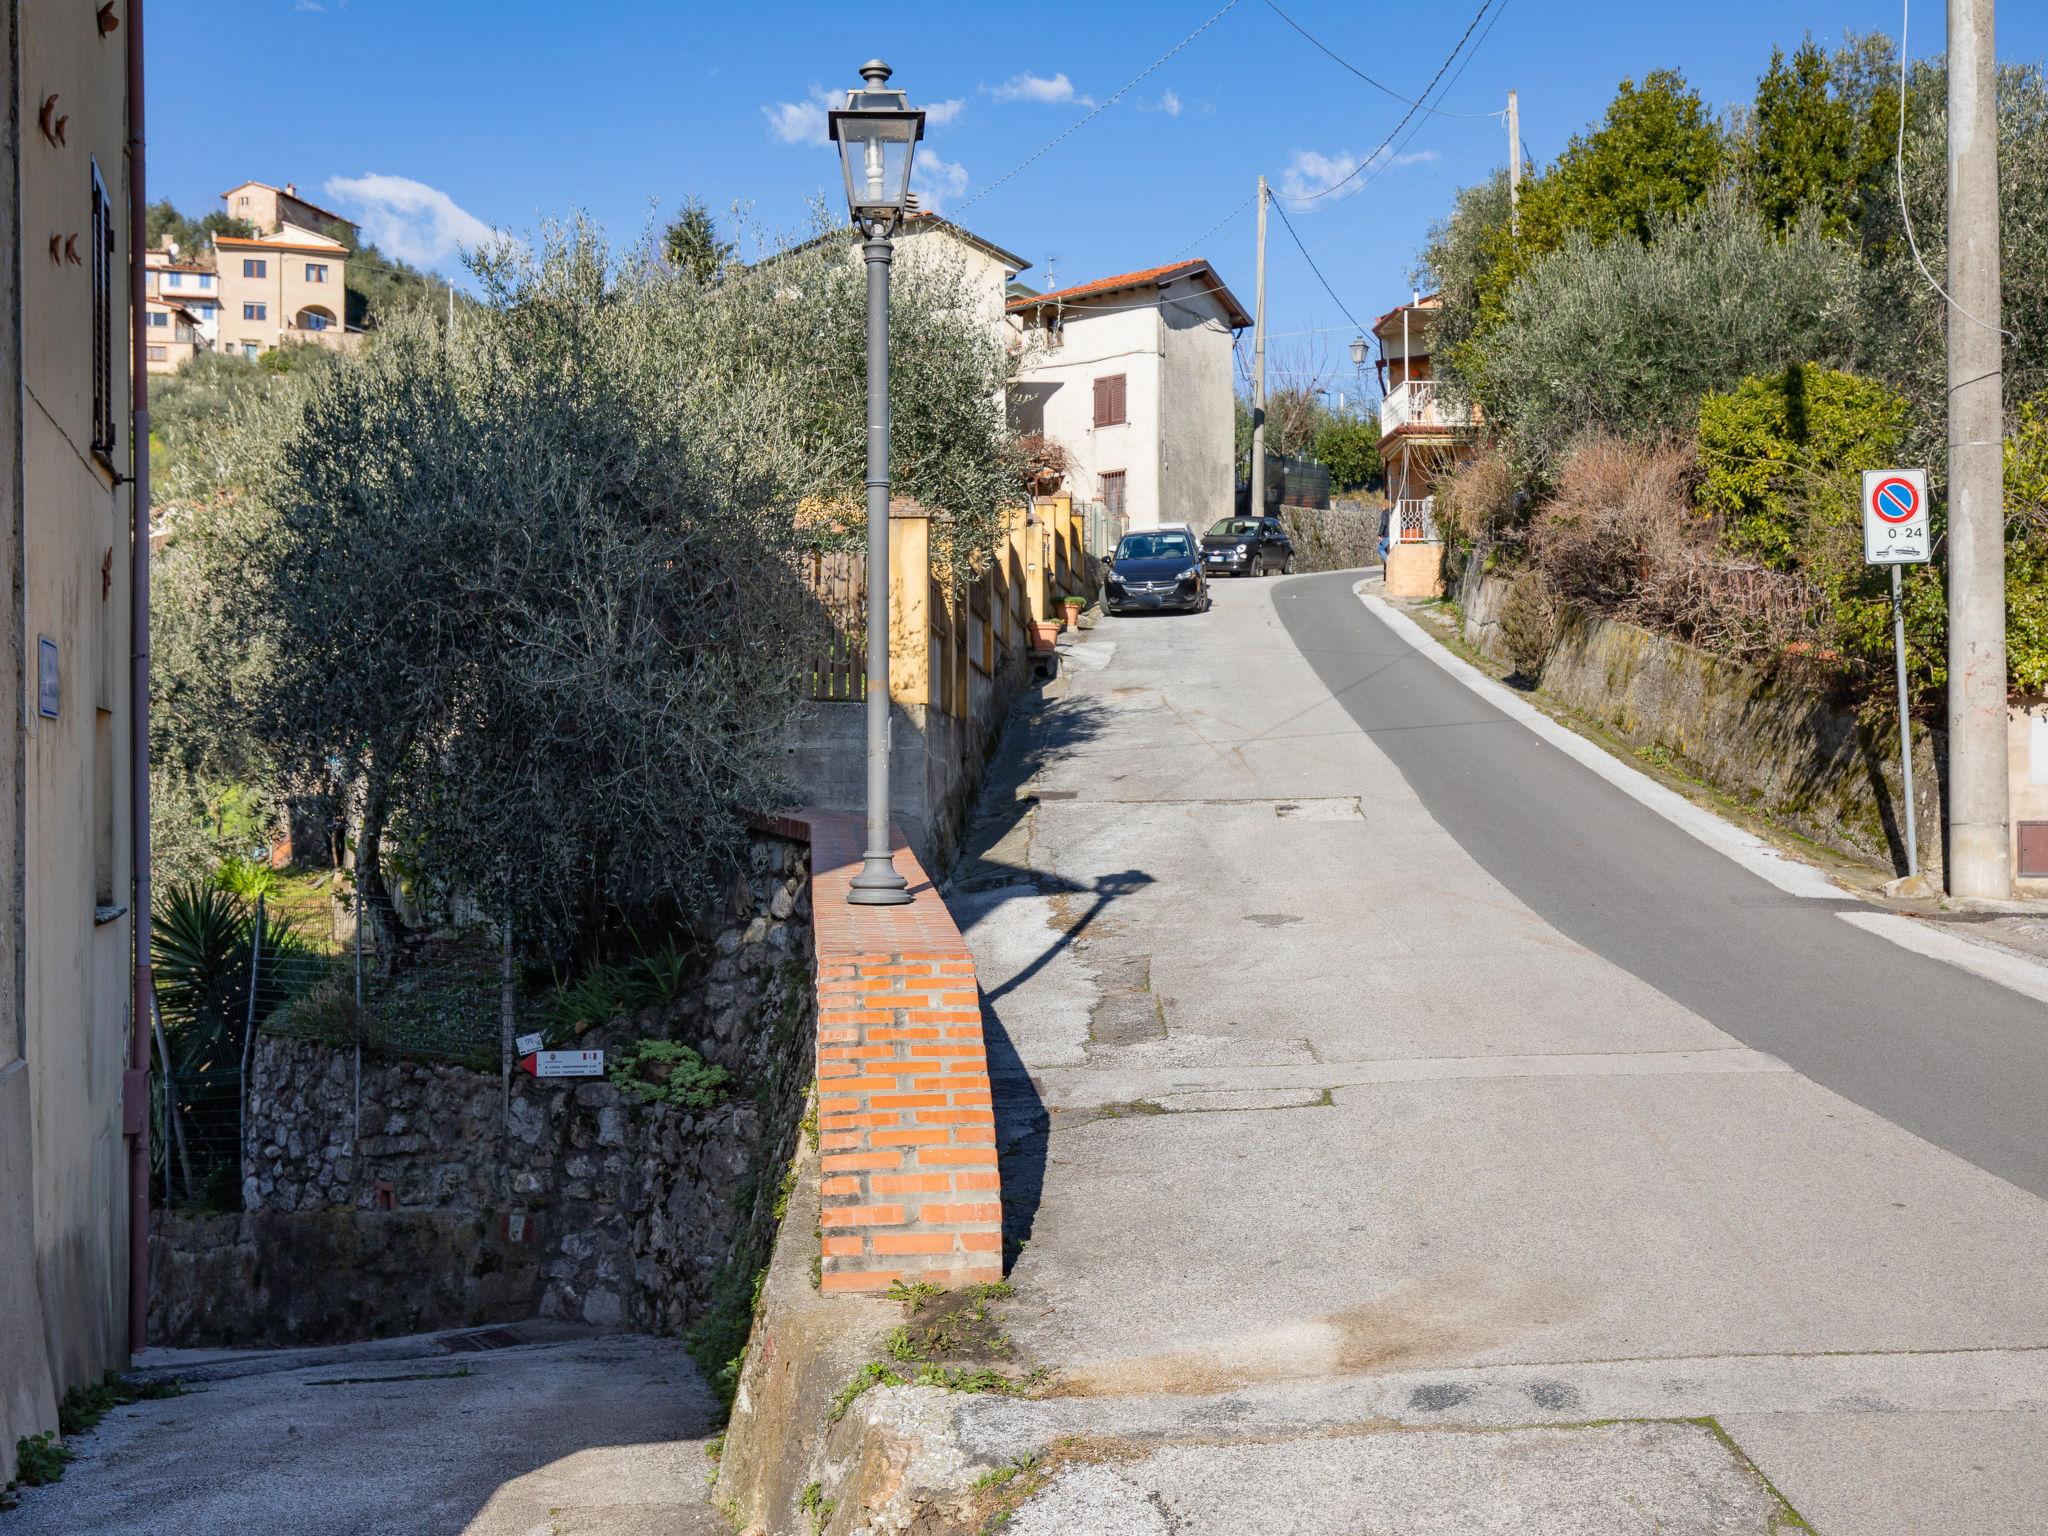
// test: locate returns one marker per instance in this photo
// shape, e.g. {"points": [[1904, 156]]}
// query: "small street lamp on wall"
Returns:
{"points": [[877, 133], [1358, 352]]}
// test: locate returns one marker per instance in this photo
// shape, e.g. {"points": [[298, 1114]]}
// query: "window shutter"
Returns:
{"points": [[1109, 401]]}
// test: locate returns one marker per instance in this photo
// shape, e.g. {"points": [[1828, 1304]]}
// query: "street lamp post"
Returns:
{"points": [[877, 132]]}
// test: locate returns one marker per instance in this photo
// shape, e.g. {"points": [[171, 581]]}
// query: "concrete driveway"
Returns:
{"points": [[562, 1436], [1409, 1128]]}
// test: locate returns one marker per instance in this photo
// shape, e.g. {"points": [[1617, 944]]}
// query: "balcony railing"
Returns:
{"points": [[1415, 403], [1414, 522]]}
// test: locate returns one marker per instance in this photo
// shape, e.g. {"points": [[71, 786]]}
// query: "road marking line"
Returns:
{"points": [[1745, 848]]}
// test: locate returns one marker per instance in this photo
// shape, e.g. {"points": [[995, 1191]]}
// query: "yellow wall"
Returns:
{"points": [[284, 290], [64, 783]]}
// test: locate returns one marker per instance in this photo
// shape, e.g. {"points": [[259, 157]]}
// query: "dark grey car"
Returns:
{"points": [[1248, 546], [1159, 570]]}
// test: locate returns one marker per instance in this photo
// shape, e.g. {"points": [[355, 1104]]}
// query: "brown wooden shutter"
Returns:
{"points": [[1109, 401]]}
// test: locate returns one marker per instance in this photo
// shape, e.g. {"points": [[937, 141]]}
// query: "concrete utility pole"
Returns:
{"points": [[1979, 854], [1258, 506], [1514, 164]]}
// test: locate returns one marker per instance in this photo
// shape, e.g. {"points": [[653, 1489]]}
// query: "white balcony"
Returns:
{"points": [[1415, 403], [1414, 522]]}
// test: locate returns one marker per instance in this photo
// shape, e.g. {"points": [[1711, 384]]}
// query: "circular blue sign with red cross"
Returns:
{"points": [[1896, 500]]}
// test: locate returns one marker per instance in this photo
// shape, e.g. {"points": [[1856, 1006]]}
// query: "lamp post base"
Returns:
{"points": [[878, 884]]}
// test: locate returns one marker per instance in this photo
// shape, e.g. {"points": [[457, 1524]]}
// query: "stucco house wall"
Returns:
{"points": [[1055, 395], [284, 289], [64, 869], [1169, 331], [1197, 423]]}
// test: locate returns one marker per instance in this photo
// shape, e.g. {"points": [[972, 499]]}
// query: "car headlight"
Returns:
{"points": [[1190, 573], [1241, 548]]}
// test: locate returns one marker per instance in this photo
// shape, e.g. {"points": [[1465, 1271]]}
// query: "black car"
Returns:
{"points": [[1155, 570], [1248, 546]]}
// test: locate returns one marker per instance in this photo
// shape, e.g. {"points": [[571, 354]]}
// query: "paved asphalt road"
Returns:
{"points": [[1953, 1058], [1371, 1071]]}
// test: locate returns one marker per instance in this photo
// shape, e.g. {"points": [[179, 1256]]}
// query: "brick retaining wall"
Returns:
{"points": [[909, 1188]]}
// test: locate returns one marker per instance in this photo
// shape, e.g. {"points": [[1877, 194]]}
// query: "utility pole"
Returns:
{"points": [[1258, 506], [1979, 861], [1514, 164]]}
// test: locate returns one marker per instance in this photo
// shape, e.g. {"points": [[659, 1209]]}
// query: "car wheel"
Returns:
{"points": [[1287, 566], [1257, 567]]}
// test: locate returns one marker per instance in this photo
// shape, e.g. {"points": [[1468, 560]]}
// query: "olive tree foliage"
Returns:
{"points": [[1903, 335], [1626, 338], [527, 593]]}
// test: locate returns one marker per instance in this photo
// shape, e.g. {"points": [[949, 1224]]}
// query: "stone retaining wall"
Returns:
{"points": [[564, 1199], [1784, 750]]}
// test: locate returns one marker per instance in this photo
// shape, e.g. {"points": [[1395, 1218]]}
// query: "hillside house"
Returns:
{"points": [[1422, 434], [1131, 376], [290, 286], [271, 209]]}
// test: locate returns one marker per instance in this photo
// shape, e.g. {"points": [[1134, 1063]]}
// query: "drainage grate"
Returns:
{"points": [[481, 1340]]}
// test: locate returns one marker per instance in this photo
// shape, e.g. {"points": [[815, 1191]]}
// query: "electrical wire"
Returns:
{"points": [[1899, 174], [1463, 38], [1218, 227], [1337, 58], [1288, 224], [1107, 102]]}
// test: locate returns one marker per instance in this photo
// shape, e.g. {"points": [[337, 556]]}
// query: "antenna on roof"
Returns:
{"points": [[1051, 277]]}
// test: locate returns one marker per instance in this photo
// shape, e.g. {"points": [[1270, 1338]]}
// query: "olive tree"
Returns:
{"points": [[527, 591]]}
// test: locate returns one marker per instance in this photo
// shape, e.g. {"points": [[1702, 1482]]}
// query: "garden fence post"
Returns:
{"points": [[249, 1044]]}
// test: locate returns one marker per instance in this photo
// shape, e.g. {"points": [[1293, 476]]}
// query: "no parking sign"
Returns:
{"points": [[1895, 517]]}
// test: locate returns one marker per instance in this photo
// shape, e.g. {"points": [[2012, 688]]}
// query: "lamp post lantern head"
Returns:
{"points": [[877, 132], [1358, 352]]}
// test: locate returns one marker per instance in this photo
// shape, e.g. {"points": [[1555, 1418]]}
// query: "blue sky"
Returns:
{"points": [[435, 119]]}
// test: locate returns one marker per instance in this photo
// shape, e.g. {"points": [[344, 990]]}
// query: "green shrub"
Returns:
{"points": [[2026, 548], [1528, 619], [39, 1459], [1781, 457], [666, 1072]]}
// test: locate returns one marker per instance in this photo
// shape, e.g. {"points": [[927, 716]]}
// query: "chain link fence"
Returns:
{"points": [[230, 971]]}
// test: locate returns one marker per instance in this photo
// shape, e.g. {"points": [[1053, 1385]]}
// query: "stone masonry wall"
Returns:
{"points": [[606, 1210], [1785, 750]]}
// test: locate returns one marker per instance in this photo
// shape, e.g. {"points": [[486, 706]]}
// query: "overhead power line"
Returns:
{"points": [[1386, 143], [1345, 63], [1288, 224], [1106, 103]]}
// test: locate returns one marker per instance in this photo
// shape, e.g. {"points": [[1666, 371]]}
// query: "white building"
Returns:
{"points": [[1131, 376]]}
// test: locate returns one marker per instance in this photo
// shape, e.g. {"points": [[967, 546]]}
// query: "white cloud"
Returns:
{"points": [[941, 114], [802, 122], [1052, 90], [411, 220], [1169, 103], [936, 180], [1311, 174]]}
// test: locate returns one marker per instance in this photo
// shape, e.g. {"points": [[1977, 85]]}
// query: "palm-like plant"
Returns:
{"points": [[200, 949]]}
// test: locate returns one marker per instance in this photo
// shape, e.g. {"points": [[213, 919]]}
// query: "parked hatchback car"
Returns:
{"points": [[1160, 569], [1248, 546]]}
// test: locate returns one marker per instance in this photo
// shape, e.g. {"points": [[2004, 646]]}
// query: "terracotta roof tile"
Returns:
{"points": [[1138, 279]]}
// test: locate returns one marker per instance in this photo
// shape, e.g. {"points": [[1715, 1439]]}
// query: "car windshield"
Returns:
{"points": [[1154, 546], [1234, 528]]}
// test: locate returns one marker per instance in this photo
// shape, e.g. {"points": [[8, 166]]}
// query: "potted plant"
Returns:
{"points": [[1073, 602]]}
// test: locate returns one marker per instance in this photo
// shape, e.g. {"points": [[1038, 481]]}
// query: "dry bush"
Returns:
{"points": [[1621, 537], [1475, 503]]}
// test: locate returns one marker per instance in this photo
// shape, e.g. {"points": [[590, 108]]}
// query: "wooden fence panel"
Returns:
{"points": [[836, 664]]}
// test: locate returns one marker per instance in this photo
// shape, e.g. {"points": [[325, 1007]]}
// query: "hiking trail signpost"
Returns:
{"points": [[1895, 533]]}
